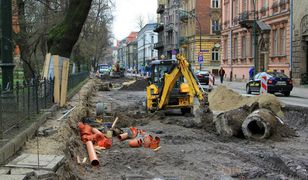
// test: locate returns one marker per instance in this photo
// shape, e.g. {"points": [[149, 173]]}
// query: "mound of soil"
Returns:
{"points": [[139, 85], [224, 99]]}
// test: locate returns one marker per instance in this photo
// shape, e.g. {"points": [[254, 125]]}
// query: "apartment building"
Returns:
{"points": [[272, 34], [145, 41], [168, 28], [200, 25]]}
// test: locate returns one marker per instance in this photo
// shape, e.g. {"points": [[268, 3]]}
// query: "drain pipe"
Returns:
{"points": [[291, 38]]}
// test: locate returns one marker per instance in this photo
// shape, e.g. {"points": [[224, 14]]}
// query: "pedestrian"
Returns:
{"points": [[221, 74], [251, 72]]}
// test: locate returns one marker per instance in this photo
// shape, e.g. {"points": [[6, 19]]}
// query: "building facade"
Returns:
{"points": [[200, 33], [131, 45], [168, 27], [300, 42], [272, 36], [146, 40], [122, 53]]}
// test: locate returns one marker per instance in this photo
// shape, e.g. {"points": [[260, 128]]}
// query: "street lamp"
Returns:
{"points": [[255, 38], [194, 16]]}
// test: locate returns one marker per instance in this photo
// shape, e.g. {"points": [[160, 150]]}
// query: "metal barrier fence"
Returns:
{"points": [[24, 101], [75, 79], [20, 106]]}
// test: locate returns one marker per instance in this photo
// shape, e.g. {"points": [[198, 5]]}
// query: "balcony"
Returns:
{"points": [[244, 20], [170, 27], [158, 45], [183, 17], [215, 10], [159, 28], [160, 9]]}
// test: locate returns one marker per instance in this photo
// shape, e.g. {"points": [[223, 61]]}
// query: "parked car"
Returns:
{"points": [[104, 69], [276, 82], [203, 77]]}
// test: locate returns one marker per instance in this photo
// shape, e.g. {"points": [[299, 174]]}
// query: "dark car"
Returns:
{"points": [[203, 77], [276, 82]]}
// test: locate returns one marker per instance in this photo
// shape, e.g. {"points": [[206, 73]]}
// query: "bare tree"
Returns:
{"points": [[140, 22]]}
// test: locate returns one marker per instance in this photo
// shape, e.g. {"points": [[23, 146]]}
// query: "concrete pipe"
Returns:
{"points": [[229, 123], [259, 124], [100, 109]]}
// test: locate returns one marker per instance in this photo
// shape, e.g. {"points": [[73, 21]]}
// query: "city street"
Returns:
{"points": [[130, 89]]}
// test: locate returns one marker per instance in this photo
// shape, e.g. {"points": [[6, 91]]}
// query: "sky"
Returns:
{"points": [[126, 15]]}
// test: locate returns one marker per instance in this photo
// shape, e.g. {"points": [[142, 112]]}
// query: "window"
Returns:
{"points": [[215, 3], [243, 47], [235, 47], [152, 39], [215, 54], [275, 42], [244, 5], [226, 48], [283, 41], [215, 26], [251, 45]]}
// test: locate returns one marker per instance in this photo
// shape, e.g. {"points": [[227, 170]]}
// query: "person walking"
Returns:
{"points": [[251, 72], [221, 74]]}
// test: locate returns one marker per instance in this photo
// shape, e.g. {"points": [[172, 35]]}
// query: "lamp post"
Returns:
{"points": [[255, 38], [197, 19]]}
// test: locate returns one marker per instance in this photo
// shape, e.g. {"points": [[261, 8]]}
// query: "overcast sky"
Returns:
{"points": [[126, 15]]}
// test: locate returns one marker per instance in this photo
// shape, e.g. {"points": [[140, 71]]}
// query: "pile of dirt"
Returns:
{"points": [[138, 85], [224, 99]]}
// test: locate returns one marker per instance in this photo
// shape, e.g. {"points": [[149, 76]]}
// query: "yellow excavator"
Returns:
{"points": [[172, 85]]}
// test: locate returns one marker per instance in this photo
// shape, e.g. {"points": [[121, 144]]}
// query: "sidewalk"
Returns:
{"points": [[297, 91]]}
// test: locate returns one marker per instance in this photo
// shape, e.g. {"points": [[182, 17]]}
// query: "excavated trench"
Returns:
{"points": [[190, 146]]}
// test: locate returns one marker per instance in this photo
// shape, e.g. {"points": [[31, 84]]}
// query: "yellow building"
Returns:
{"points": [[201, 17]]}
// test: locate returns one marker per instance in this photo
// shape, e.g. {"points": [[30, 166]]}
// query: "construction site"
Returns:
{"points": [[216, 144]]}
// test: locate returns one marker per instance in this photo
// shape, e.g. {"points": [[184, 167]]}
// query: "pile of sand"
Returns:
{"points": [[224, 99], [138, 85]]}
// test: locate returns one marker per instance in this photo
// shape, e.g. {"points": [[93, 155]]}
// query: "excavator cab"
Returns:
{"points": [[179, 95]]}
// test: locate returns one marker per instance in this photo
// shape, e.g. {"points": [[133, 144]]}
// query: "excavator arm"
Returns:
{"points": [[171, 78]]}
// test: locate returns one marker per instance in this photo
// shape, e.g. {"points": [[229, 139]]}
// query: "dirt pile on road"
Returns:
{"points": [[224, 99], [138, 85]]}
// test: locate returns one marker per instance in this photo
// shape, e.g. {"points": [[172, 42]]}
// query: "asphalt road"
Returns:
{"points": [[298, 97]]}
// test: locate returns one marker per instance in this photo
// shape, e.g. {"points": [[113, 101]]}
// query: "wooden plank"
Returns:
{"points": [[57, 79], [64, 81], [46, 65]]}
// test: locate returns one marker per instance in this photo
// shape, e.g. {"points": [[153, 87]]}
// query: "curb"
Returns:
{"points": [[14, 145]]}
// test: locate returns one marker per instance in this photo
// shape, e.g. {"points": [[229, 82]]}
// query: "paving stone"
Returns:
{"points": [[4, 171], [49, 132], [13, 177], [47, 162], [40, 174], [22, 171]]}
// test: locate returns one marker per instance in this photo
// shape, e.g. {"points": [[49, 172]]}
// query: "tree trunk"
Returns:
{"points": [[62, 38], [22, 40]]}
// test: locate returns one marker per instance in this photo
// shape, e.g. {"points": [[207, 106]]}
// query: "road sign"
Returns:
{"points": [[200, 59]]}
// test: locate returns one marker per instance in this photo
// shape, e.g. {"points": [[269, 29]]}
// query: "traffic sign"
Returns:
{"points": [[200, 59]]}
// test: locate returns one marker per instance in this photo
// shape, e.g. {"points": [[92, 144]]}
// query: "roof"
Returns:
{"points": [[131, 37], [263, 26]]}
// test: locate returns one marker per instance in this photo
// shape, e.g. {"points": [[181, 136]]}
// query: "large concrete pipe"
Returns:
{"points": [[259, 124], [229, 123]]}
